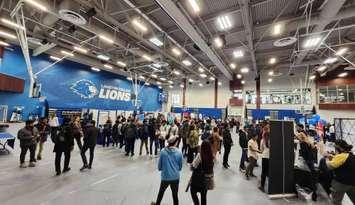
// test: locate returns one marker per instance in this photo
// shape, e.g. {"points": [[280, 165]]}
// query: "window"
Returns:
{"points": [[351, 91], [280, 96], [342, 94], [337, 94]]}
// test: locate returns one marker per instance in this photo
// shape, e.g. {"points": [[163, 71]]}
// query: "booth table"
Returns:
{"points": [[4, 139]]}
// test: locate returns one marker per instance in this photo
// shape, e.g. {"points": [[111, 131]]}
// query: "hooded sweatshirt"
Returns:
{"points": [[170, 164]]}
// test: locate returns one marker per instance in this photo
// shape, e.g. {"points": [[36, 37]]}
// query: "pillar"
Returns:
{"points": [[216, 93], [184, 93], [258, 99]]}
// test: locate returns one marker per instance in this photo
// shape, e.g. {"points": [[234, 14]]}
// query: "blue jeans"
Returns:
{"points": [[243, 158]]}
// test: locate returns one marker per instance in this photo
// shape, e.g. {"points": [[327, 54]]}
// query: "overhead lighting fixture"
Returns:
{"points": [[181, 86], [160, 87], [13, 24], [200, 84], [95, 69], [106, 39], [218, 42], [201, 70], [233, 66], [321, 68], [271, 73], [277, 29], [122, 64], [330, 60], [82, 50], [224, 22], [244, 70], [176, 72], [154, 76], [312, 77], [163, 79], [272, 60], [55, 58], [137, 23], [242, 82], [147, 83], [187, 62], [156, 41], [103, 57], [170, 86], [36, 4], [142, 77], [108, 66], [312, 42], [202, 75], [176, 51], [269, 80], [191, 80], [239, 76], [170, 82], [219, 83], [148, 58], [156, 65], [129, 78], [341, 51], [194, 5], [238, 53], [158, 83], [212, 78], [341, 75], [3, 43], [67, 53], [8, 35]]}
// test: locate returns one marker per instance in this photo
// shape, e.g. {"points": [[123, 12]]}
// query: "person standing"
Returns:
{"points": [[253, 151], [116, 133], [164, 129], [28, 140], [265, 153], [107, 132], [227, 143], [170, 165], [215, 141], [44, 131], [77, 132], [143, 135], [122, 127], [202, 176], [192, 142], [184, 134], [130, 134], [90, 138], [64, 143], [153, 136], [243, 143]]}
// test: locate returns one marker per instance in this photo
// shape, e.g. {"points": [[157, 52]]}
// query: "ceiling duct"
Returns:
{"points": [[70, 11]]}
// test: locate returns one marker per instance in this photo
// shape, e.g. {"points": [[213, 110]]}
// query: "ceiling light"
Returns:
{"points": [[156, 65], [8, 35], [200, 84], [341, 51], [202, 75], [312, 42], [95, 69], [160, 87], [212, 78], [36, 4], [147, 83], [176, 72], [330, 60], [156, 41], [176, 51], [244, 70], [107, 39], [171, 82], [181, 86], [82, 50], [239, 76], [55, 58], [277, 30], [219, 83], [218, 42], [120, 63], [142, 77], [158, 83], [201, 70], [269, 80], [224, 22], [129, 78], [321, 68], [108, 66], [154, 76], [242, 82], [272, 60], [191, 80], [67, 53], [238, 53], [233, 66], [341, 75], [103, 57], [3, 43], [148, 58], [194, 5], [312, 77], [163, 79], [13, 24], [137, 23], [170, 86], [271, 73], [187, 62]]}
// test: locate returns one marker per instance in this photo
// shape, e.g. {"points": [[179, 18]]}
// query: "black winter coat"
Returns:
{"points": [[63, 139], [90, 136]]}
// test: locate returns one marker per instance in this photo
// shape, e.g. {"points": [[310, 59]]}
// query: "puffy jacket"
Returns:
{"points": [[193, 138], [27, 136]]}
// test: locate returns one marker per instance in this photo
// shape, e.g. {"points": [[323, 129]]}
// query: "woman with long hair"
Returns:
{"points": [[265, 153], [202, 176]]}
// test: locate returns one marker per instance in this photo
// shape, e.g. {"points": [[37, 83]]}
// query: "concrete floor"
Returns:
{"points": [[116, 179]]}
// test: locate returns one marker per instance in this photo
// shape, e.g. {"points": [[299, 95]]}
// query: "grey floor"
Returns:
{"points": [[116, 179]]}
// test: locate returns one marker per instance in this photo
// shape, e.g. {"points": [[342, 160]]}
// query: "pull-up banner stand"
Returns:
{"points": [[281, 161]]}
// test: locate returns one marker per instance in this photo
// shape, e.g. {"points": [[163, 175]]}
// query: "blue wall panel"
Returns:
{"points": [[260, 114], [206, 112], [73, 85]]}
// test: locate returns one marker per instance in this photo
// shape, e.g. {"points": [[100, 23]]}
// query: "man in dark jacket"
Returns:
{"points": [[152, 136], [107, 132], [64, 143], [90, 138], [28, 140], [243, 142], [143, 135], [44, 131], [130, 133], [115, 133], [228, 143]]}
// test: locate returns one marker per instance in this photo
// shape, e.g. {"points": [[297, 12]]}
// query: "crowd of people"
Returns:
{"points": [[199, 141]]}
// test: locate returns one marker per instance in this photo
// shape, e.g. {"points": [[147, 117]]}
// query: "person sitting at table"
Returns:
{"points": [[343, 166], [28, 141]]}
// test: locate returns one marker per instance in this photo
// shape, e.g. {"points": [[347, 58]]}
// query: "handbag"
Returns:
{"points": [[209, 181]]}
